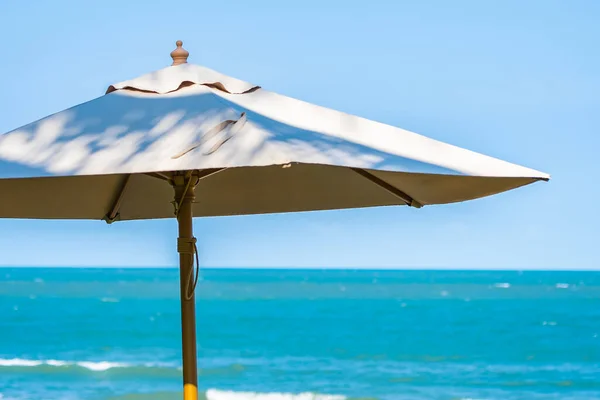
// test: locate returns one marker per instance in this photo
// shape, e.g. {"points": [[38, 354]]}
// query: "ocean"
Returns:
{"points": [[114, 334]]}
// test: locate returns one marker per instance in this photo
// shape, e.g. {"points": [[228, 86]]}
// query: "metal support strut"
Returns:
{"points": [[184, 186]]}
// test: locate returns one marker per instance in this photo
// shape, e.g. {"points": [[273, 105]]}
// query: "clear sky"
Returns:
{"points": [[518, 80]]}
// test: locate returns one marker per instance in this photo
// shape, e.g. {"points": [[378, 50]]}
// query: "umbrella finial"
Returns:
{"points": [[179, 55]]}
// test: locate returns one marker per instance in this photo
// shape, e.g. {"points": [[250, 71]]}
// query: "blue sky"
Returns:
{"points": [[512, 79]]}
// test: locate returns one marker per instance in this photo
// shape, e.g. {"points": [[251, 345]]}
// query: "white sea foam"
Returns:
{"points": [[502, 285], [92, 366], [214, 394], [562, 285], [109, 300], [57, 363], [19, 362], [100, 366]]}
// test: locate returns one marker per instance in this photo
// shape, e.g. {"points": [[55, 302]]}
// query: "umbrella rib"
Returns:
{"points": [[388, 188], [205, 173], [112, 216], [160, 175]]}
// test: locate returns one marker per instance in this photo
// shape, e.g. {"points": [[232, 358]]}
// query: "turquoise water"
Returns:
{"points": [[298, 334]]}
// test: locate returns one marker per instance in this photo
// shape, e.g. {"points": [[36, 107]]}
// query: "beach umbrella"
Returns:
{"points": [[187, 141]]}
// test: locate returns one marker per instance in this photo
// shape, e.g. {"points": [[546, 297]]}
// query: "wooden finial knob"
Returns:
{"points": [[179, 55]]}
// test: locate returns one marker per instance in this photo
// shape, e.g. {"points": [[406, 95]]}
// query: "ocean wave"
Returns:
{"points": [[428, 365], [215, 394], [109, 300], [111, 368], [95, 366], [92, 366], [502, 285]]}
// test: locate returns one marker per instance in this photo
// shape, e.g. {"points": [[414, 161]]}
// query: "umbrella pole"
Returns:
{"points": [[184, 197]]}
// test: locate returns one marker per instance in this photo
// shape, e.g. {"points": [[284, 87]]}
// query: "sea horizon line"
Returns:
{"points": [[313, 268]]}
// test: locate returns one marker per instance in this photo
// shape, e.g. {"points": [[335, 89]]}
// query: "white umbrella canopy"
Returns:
{"points": [[274, 154], [147, 147]]}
